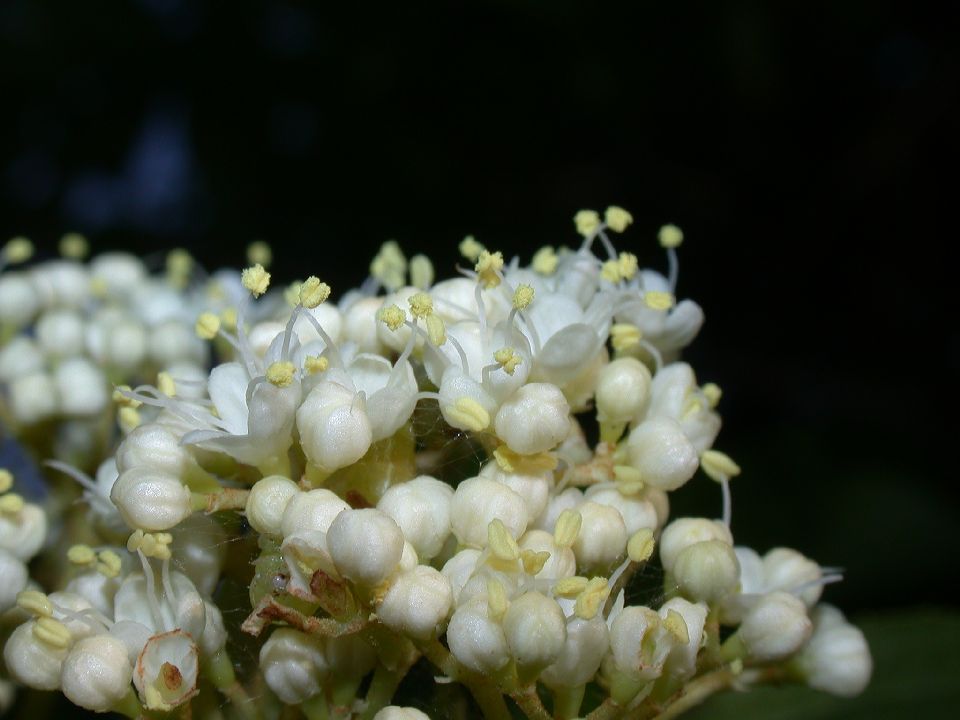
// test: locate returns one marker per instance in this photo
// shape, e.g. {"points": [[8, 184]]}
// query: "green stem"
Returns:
{"points": [[129, 706], [529, 701], [316, 708], [689, 697], [219, 671], [567, 702], [382, 688]]}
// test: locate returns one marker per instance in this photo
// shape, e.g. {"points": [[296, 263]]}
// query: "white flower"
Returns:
{"points": [[536, 418], [603, 536], [668, 330], [674, 394], [477, 640], [775, 627], [19, 299], [536, 631], [335, 429], [638, 512], [684, 532], [32, 662], [417, 603], [477, 502], [167, 671], [623, 389], [151, 500], [660, 450], [60, 333], [34, 398], [587, 641], [706, 571], [15, 576], [268, 501], [395, 712], [365, 545], [421, 507], [23, 530]]}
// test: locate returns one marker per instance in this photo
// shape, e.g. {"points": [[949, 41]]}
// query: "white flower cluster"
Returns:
{"points": [[330, 429]]}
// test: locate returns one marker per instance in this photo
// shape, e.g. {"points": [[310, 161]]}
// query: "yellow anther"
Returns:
{"points": [[35, 603], [713, 393], [421, 305], [313, 292], [470, 248], [436, 330], [161, 552], [135, 540], [74, 246], [166, 384], [570, 587], [17, 250], [207, 326], [657, 300], [691, 407], [587, 222], [677, 626], [718, 466], [567, 528], [11, 504], [617, 219], [610, 271], [148, 544], [255, 279], [545, 261], [534, 561], [670, 236], [122, 399], [128, 418], [501, 542], [179, 266], [522, 297], [52, 632], [109, 563], [590, 601], [640, 545], [468, 412], [628, 265], [488, 268], [421, 272], [513, 462], [629, 481], [81, 555], [164, 538], [281, 373], [393, 317], [228, 318], [508, 359], [259, 253], [315, 364], [497, 600], [6, 480], [389, 266]]}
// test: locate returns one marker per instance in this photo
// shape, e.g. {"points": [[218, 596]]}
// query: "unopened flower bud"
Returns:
{"points": [[366, 545], [313, 510], [421, 507], [662, 453], [477, 640], [335, 429], [776, 627], [417, 603], [395, 712], [836, 659], [96, 673], [294, 665], [684, 532], [603, 536], [32, 662], [535, 630], [622, 390], [707, 571], [477, 502], [267, 501], [536, 418], [151, 500]]}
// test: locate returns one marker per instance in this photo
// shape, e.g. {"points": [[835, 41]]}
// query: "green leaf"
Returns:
{"points": [[916, 671]]}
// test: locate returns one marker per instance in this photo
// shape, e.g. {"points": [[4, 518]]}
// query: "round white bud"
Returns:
{"points": [[662, 453], [365, 545], [22, 534], [569, 499], [535, 630], [81, 386], [61, 283], [417, 603], [311, 511], [637, 512], [19, 299], [837, 658], [683, 532], [586, 644], [536, 418], [151, 500], [268, 501], [33, 398], [125, 345], [789, 570], [96, 588], [294, 665], [15, 576], [335, 429], [172, 341], [395, 712], [421, 507], [60, 333], [120, 272], [603, 536], [477, 640], [31, 662], [707, 571], [777, 626], [533, 488], [478, 501], [360, 325], [622, 390], [96, 673], [154, 446], [20, 357]]}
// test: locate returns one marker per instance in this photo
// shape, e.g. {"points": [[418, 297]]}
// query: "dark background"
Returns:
{"points": [[808, 150]]}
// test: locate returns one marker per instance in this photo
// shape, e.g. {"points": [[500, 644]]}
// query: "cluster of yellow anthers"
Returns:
{"points": [[337, 430]]}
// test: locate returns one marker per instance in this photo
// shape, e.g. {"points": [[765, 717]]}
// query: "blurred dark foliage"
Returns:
{"points": [[807, 150]]}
